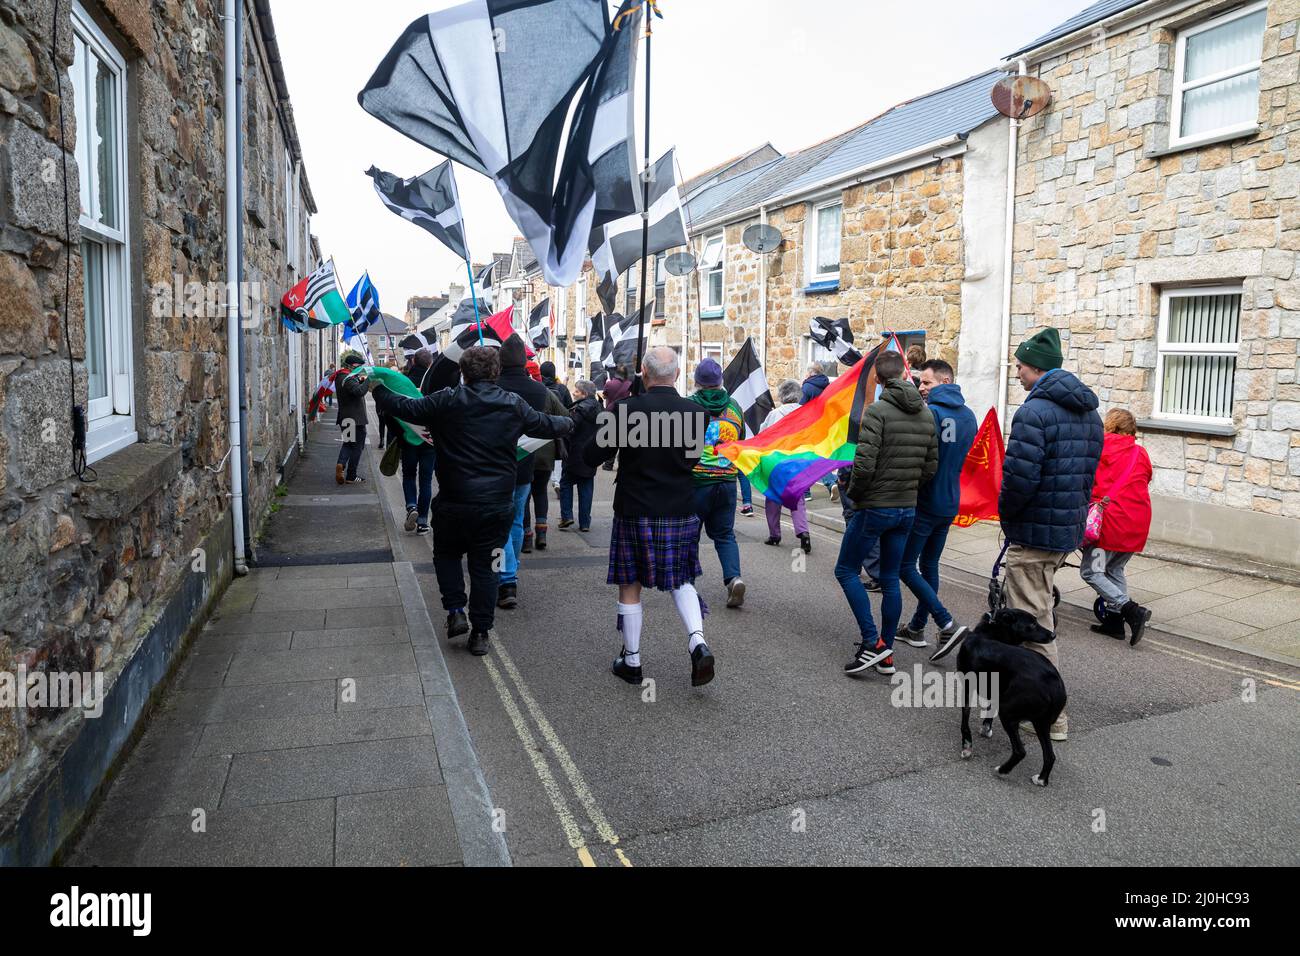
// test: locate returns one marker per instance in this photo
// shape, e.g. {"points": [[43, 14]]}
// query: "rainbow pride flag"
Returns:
{"points": [[784, 461]]}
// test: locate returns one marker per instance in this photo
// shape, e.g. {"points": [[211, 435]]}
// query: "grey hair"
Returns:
{"points": [[587, 388], [789, 391], [660, 364], [831, 368]]}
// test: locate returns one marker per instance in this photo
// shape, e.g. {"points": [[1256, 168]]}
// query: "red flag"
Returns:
{"points": [[981, 474]]}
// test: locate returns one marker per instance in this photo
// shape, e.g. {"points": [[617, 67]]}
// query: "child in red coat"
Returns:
{"points": [[1123, 475]]}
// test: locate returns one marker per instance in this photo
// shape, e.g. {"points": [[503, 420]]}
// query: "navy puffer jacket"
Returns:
{"points": [[1052, 456]]}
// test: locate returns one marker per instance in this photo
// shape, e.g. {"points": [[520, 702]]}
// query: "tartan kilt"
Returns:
{"points": [[662, 553]]}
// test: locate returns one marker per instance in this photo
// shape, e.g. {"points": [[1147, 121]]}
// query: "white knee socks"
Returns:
{"points": [[629, 616], [687, 600]]}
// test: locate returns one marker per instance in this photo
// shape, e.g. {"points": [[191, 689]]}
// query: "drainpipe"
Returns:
{"points": [[299, 385], [762, 295], [1004, 362], [233, 359]]}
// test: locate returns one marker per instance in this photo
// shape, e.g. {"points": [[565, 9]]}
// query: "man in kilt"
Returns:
{"points": [[654, 541]]}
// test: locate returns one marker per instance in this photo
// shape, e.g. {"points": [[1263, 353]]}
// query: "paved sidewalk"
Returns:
{"points": [[1191, 597], [313, 721]]}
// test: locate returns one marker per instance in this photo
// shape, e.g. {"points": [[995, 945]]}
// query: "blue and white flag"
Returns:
{"points": [[363, 303]]}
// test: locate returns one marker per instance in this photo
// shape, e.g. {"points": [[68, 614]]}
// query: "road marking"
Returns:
{"points": [[622, 857], [1219, 660], [540, 766], [562, 756]]}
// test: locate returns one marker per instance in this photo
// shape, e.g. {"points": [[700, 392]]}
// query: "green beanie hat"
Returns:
{"points": [[1042, 350]]}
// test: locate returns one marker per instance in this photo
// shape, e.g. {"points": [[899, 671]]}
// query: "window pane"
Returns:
{"points": [[1229, 102], [1199, 385], [79, 107], [92, 257], [715, 288], [828, 239], [712, 253], [1225, 47], [1204, 319], [106, 129]]}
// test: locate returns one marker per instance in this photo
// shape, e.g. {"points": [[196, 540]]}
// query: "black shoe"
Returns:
{"points": [[1112, 626], [625, 670], [457, 625], [913, 636], [566, 524], [412, 519], [805, 542], [527, 547], [871, 584], [478, 643], [949, 637], [423, 529], [701, 665], [1136, 617], [772, 541], [539, 539], [507, 596], [356, 481], [868, 657]]}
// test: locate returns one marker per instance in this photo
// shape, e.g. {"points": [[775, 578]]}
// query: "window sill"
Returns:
{"points": [[711, 314], [1191, 428], [126, 478], [815, 288], [1198, 143]]}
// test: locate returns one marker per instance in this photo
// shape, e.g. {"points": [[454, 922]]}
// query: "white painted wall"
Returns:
{"points": [[984, 191]]}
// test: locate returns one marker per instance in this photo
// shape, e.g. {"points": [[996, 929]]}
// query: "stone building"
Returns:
{"points": [[119, 308], [1157, 225]]}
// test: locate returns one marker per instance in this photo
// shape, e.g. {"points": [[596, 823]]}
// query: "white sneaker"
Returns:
{"points": [[412, 519]]}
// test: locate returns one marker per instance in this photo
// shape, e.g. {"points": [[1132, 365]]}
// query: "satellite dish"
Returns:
{"points": [[680, 263], [1021, 96], [761, 238]]}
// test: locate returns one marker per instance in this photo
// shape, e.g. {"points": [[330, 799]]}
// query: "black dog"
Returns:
{"points": [[1029, 687]]}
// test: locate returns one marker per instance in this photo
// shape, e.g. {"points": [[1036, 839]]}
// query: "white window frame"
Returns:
{"points": [[1181, 87], [581, 305], [714, 309], [813, 353], [110, 421], [290, 215], [1164, 348], [631, 288], [810, 265], [711, 351]]}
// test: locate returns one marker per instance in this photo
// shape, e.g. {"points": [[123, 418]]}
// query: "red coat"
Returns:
{"points": [[1128, 516]]}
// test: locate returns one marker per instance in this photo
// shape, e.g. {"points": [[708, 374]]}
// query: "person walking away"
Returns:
{"points": [[514, 378], [814, 384], [715, 476], [417, 460], [897, 453], [617, 388], [555, 385], [788, 392], [537, 505], [1121, 491], [351, 419], [937, 503], [475, 429], [577, 472], [1047, 475], [654, 541]]}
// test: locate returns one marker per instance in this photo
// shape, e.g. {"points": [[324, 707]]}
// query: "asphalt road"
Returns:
{"points": [[783, 759]]}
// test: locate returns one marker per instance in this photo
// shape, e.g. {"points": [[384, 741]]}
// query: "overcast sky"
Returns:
{"points": [[727, 75]]}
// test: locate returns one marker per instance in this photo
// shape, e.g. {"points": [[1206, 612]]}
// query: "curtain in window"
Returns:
{"points": [[1201, 385], [1227, 102], [828, 239]]}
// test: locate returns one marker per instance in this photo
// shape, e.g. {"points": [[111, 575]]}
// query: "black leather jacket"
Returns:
{"points": [[475, 429]]}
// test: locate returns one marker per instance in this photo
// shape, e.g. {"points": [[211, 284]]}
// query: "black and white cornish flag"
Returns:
{"points": [[429, 201], [620, 246], [418, 341], [836, 336], [621, 339], [745, 379], [539, 325], [490, 84]]}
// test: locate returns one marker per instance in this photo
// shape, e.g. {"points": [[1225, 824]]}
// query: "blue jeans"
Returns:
{"points": [[586, 488], [715, 503], [417, 462], [925, 544], [746, 491], [515, 541], [890, 528]]}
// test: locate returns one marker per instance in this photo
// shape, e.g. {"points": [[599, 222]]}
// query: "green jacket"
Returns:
{"points": [[898, 450]]}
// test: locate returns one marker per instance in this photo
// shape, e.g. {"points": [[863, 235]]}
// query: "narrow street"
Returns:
{"points": [[781, 759]]}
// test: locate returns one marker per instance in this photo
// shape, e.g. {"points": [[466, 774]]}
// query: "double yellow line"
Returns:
{"points": [[554, 792]]}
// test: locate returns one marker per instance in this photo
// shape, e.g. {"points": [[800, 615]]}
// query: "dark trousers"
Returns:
{"points": [[350, 453], [586, 490], [417, 477], [473, 532], [387, 430], [537, 503]]}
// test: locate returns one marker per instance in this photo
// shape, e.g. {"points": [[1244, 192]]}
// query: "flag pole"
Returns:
{"points": [[645, 192], [478, 320]]}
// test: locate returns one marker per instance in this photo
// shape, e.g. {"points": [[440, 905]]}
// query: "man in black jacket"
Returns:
{"points": [[352, 420], [655, 538], [577, 473], [554, 384], [475, 429], [515, 378]]}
